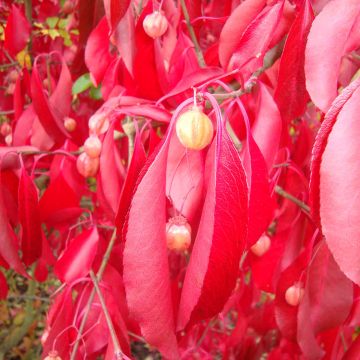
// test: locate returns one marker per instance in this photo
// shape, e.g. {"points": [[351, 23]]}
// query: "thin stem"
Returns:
{"points": [[199, 54], [8, 65], [7, 112], [92, 294], [280, 191], [110, 325]]}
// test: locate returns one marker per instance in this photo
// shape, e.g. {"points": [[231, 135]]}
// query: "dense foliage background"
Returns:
{"points": [[126, 232]]}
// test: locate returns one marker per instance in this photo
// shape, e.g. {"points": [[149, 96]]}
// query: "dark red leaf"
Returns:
{"points": [[290, 94], [29, 217]]}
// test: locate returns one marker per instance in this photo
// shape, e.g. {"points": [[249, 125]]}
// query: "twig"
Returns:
{"points": [[280, 191], [110, 325], [92, 294], [7, 112], [198, 51], [8, 65]]}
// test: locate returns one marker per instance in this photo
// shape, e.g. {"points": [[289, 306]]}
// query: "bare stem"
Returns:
{"points": [[110, 325], [280, 191], [92, 294], [198, 51]]}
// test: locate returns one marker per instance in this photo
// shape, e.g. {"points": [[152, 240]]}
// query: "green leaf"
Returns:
{"points": [[81, 84], [95, 93], [52, 21]]}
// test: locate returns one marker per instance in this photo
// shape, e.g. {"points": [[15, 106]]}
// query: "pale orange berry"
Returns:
{"points": [[12, 76], [53, 355], [261, 246], [70, 124], [194, 129], [294, 295], [155, 24], [98, 124], [5, 129], [178, 234], [92, 146], [8, 139], [68, 7], [86, 165]]}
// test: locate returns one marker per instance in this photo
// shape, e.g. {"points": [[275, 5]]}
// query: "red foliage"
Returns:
{"points": [[100, 181]]}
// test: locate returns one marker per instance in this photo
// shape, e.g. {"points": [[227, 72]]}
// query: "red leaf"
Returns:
{"points": [[115, 10], [9, 243], [339, 180], [267, 126], [59, 202], [221, 236], [146, 268], [77, 259], [51, 111], [290, 94], [327, 301], [124, 36], [110, 177], [230, 37], [137, 162], [3, 286], [337, 20], [97, 55], [17, 31], [31, 239]]}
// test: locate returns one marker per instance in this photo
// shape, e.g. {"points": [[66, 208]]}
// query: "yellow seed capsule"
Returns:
{"points": [[194, 129]]}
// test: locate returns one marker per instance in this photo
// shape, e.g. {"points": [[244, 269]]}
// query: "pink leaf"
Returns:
{"points": [[255, 41], [230, 37], [115, 10], [320, 144], [337, 20], [31, 239], [267, 126], [77, 259], [290, 94], [17, 31], [327, 301], [339, 175]]}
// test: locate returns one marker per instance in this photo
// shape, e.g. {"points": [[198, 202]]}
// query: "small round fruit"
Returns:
{"points": [[194, 129], [155, 24], [70, 124], [5, 129], [8, 139], [12, 76], [68, 7], [86, 165], [178, 234], [294, 295], [92, 146], [261, 246], [53, 355], [98, 124]]}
